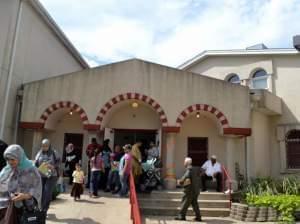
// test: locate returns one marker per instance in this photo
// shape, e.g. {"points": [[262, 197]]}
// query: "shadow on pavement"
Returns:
{"points": [[53, 218], [170, 219], [89, 201]]}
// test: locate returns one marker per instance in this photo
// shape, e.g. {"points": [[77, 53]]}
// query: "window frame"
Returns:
{"points": [[230, 76], [264, 77], [288, 167]]}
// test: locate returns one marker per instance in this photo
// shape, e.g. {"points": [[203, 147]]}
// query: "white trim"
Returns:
{"points": [[42, 12], [205, 54]]}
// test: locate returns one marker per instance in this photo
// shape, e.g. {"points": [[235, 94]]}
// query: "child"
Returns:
{"points": [[97, 167], [78, 181]]}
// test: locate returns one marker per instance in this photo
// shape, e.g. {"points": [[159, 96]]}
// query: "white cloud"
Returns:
{"points": [[172, 31]]}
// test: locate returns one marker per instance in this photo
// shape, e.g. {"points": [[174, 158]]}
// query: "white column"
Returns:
{"points": [[283, 163], [170, 178], [36, 142], [230, 156]]}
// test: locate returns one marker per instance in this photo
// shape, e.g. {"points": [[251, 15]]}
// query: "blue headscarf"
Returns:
{"points": [[15, 152]]}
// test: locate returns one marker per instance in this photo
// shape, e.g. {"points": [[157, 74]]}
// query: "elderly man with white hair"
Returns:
{"points": [[190, 182], [212, 171]]}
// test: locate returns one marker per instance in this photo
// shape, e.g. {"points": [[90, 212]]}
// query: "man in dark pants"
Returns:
{"points": [[211, 170], [190, 181]]}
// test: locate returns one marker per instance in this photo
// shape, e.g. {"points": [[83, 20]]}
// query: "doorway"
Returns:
{"points": [[131, 136], [198, 150], [77, 140]]}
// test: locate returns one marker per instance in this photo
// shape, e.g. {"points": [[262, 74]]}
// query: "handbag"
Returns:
{"points": [[32, 215], [10, 215]]}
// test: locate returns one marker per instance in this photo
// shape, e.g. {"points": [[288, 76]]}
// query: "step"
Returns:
{"points": [[178, 194], [175, 202], [164, 211]]}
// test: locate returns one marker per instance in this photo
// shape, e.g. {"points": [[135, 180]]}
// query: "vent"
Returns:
{"points": [[296, 42]]}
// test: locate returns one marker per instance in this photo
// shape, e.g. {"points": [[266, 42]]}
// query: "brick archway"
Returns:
{"points": [[65, 104], [203, 107], [132, 96]]}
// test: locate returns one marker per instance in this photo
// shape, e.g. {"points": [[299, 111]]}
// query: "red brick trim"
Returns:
{"points": [[31, 125], [237, 131], [129, 96], [203, 107], [171, 129], [91, 127], [65, 104]]}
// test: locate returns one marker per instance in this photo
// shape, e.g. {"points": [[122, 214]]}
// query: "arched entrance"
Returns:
{"points": [[130, 117], [64, 123]]}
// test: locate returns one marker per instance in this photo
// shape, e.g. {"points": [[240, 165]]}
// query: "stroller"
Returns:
{"points": [[151, 177]]}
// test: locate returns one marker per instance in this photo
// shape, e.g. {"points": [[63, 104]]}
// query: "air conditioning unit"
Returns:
{"points": [[296, 42]]}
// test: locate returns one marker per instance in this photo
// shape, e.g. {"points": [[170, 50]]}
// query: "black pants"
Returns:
{"points": [[218, 177], [103, 181], [87, 185]]}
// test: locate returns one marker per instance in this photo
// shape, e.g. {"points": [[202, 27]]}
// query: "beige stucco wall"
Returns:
{"points": [[173, 89], [221, 66], [199, 127], [126, 117], [39, 54], [283, 82]]}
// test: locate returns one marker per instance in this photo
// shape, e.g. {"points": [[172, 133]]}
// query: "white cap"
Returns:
{"points": [[213, 157]]}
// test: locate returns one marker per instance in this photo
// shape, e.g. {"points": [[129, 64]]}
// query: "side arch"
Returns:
{"points": [[132, 96], [223, 121], [65, 104]]}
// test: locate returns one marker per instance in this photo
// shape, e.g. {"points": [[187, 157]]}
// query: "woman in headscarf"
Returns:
{"points": [[48, 161], [72, 158], [20, 181], [137, 160]]}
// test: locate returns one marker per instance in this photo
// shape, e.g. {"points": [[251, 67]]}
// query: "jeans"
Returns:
{"points": [[48, 187], [113, 181], [124, 184], [94, 184]]}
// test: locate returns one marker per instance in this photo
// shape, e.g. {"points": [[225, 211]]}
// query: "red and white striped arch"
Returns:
{"points": [[132, 96], [203, 107], [65, 104]]}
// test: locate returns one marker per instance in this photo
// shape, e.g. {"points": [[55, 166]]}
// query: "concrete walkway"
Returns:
{"points": [[107, 209], [209, 220]]}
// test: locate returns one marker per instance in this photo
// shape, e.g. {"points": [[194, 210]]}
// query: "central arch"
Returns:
{"points": [[132, 96]]}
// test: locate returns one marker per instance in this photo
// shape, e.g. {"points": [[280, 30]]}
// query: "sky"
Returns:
{"points": [[170, 32]]}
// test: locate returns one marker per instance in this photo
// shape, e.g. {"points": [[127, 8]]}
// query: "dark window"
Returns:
{"points": [[293, 149], [234, 78]]}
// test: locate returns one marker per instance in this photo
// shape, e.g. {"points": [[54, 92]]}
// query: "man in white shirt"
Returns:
{"points": [[211, 170]]}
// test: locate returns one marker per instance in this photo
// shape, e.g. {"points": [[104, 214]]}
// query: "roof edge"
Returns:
{"points": [[42, 12], [207, 53]]}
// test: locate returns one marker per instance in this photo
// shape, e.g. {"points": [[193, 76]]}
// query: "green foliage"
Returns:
{"points": [[282, 194], [269, 186], [285, 204]]}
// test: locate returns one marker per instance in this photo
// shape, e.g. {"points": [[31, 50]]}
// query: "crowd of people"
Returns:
{"points": [[30, 184]]}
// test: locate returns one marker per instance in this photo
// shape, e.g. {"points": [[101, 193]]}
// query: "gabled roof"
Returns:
{"points": [[42, 12], [242, 52]]}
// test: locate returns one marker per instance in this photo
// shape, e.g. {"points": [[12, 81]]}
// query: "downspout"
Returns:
{"points": [[246, 159], [11, 68], [19, 99]]}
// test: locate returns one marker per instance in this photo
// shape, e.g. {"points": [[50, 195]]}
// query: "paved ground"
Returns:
{"points": [[107, 209], [211, 220]]}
